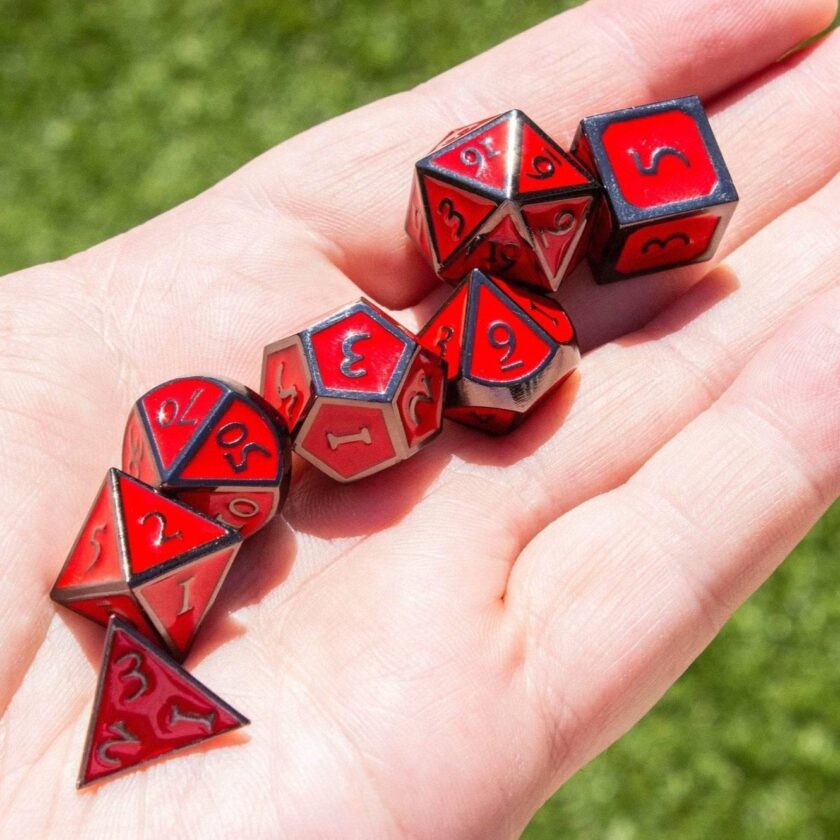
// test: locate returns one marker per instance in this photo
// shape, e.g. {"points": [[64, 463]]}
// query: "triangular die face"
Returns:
{"points": [[178, 602], [241, 446], [444, 334], [544, 310], [146, 707], [100, 608], [138, 457], [159, 529], [545, 166], [503, 346], [176, 411], [482, 158], [454, 215], [95, 557], [556, 228]]}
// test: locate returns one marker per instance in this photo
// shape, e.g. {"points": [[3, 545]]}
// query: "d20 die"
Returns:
{"points": [[501, 196], [505, 348], [214, 444], [668, 194], [148, 559], [356, 389], [146, 706]]}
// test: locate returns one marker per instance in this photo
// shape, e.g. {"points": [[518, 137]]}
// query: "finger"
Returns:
{"points": [[349, 179], [774, 163], [627, 589]]}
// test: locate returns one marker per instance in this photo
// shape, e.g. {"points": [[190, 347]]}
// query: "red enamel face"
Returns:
{"points": [[444, 334], [667, 243], [242, 509], [556, 228], [286, 382], [146, 706], [420, 402], [348, 440], [502, 346], [544, 166], [480, 158], [659, 159], [175, 411], [358, 352], [493, 421]]}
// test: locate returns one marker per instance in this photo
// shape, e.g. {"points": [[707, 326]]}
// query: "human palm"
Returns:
{"points": [[432, 651]]}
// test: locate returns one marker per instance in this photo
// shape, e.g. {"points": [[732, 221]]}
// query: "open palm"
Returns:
{"points": [[432, 651]]}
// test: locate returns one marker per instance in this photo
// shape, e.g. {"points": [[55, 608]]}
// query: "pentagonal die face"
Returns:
{"points": [[357, 389], [506, 349], [502, 197], [213, 443], [148, 559]]}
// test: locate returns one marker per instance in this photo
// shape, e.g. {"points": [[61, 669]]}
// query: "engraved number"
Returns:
{"points": [[662, 244], [444, 336], [186, 606], [544, 165], [452, 218], [564, 222], [473, 156], [161, 537], [422, 396], [351, 357], [134, 672], [289, 393], [125, 737], [170, 412], [232, 435], [176, 716], [501, 336], [135, 458], [535, 307], [652, 168], [362, 436], [99, 529]]}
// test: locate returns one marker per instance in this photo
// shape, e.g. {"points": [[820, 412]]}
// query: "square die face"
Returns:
{"points": [[659, 160]]}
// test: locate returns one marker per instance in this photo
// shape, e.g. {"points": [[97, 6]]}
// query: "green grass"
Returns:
{"points": [[113, 110]]}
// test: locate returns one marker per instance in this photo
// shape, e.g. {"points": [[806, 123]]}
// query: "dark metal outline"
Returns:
{"points": [[476, 279], [116, 625], [391, 326], [626, 214]]}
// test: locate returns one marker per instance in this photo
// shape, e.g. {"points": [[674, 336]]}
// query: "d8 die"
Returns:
{"points": [[501, 196], [668, 193], [505, 348], [214, 444], [148, 559], [356, 389]]}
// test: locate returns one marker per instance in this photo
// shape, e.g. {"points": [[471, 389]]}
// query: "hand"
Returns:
{"points": [[431, 652]]}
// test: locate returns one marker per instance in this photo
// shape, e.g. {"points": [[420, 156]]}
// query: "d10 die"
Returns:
{"points": [[501, 196], [506, 348], [668, 193], [214, 444], [357, 391], [149, 559]]}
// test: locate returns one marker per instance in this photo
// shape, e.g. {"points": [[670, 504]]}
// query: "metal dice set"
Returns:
{"points": [[498, 209]]}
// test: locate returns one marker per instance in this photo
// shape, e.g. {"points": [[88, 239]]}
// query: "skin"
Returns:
{"points": [[433, 651]]}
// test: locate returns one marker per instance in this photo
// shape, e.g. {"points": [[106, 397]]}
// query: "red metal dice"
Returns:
{"points": [[149, 559], [356, 389], [214, 444], [146, 706], [501, 196], [668, 193], [506, 348]]}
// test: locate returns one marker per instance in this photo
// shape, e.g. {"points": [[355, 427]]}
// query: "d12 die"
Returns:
{"points": [[149, 559], [501, 196], [668, 193], [356, 389], [146, 706], [505, 348], [214, 444]]}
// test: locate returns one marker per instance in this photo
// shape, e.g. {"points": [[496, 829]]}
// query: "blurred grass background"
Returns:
{"points": [[113, 110]]}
